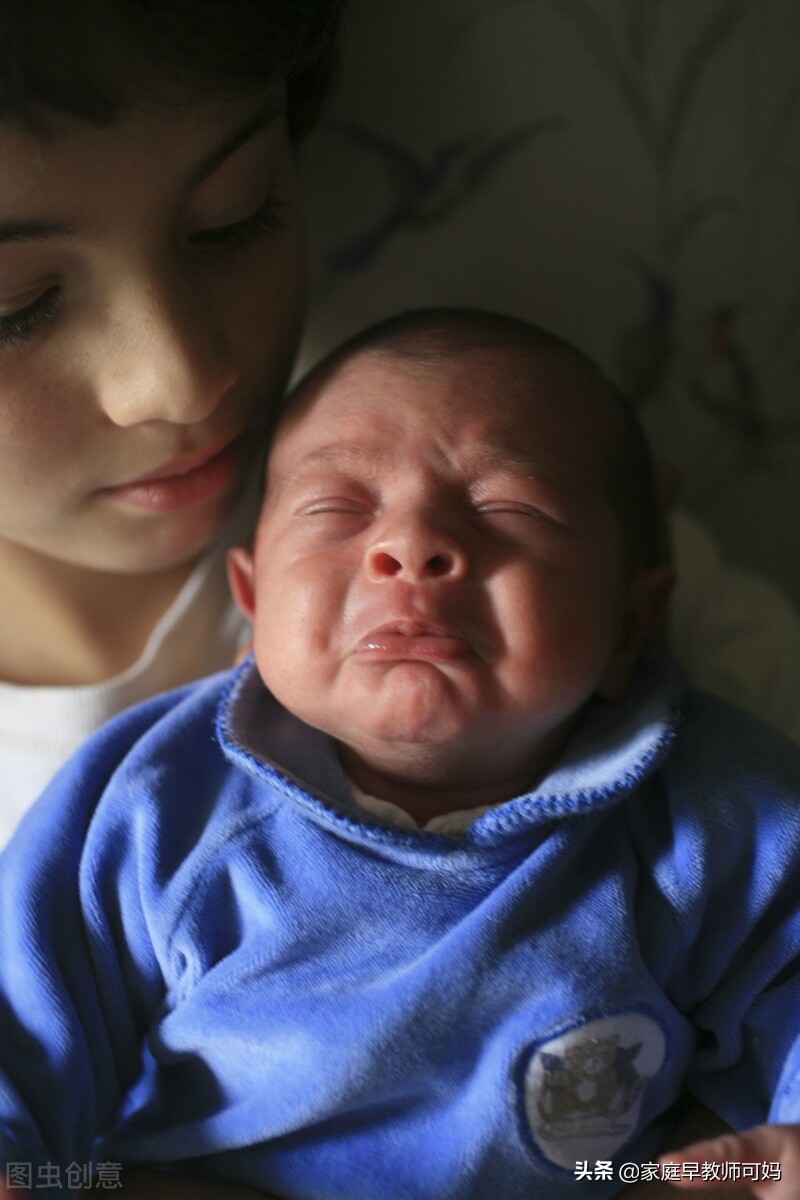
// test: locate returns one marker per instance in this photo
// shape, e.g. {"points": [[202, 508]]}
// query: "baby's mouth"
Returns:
{"points": [[412, 639]]}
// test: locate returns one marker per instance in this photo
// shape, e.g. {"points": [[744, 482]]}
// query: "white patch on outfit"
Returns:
{"points": [[455, 824], [583, 1089]]}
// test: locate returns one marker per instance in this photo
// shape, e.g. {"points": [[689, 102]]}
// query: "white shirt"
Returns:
{"points": [[40, 727]]}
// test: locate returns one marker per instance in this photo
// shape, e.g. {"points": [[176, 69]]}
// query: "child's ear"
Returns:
{"points": [[647, 603], [240, 579]]}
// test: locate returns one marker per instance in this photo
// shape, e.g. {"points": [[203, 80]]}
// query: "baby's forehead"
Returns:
{"points": [[520, 402], [379, 416]]}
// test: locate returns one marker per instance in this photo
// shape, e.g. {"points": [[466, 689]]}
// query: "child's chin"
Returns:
{"points": [[180, 540]]}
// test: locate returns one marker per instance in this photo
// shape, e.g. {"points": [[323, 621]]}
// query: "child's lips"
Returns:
{"points": [[182, 482], [413, 639]]}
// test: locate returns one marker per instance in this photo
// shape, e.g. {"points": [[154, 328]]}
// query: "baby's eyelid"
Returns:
{"points": [[520, 506], [357, 506], [524, 508]]}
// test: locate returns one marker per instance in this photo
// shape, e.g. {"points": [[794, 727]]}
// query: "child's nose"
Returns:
{"points": [[416, 552], [166, 359]]}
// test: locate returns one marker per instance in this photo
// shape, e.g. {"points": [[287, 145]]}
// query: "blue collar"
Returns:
{"points": [[614, 748]]}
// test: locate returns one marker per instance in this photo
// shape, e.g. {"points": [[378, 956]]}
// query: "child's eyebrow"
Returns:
{"points": [[269, 110]]}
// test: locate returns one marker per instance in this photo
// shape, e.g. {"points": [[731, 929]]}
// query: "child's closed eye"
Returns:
{"points": [[268, 218], [22, 323]]}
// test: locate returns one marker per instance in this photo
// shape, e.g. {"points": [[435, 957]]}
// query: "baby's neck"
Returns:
{"points": [[424, 800]]}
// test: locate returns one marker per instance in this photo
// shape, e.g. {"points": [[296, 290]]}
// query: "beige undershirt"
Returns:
{"points": [[453, 824]]}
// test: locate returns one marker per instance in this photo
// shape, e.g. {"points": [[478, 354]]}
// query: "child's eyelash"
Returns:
{"points": [[269, 218], [20, 325]]}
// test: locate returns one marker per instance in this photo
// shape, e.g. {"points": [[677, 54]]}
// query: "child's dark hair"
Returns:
{"points": [[88, 58], [426, 336]]}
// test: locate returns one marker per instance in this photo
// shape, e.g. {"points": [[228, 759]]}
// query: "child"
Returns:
{"points": [[467, 893], [152, 276]]}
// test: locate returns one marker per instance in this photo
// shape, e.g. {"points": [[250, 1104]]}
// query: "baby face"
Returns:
{"points": [[439, 574]]}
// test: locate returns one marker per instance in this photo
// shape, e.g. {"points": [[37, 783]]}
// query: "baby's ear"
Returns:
{"points": [[647, 603], [240, 579]]}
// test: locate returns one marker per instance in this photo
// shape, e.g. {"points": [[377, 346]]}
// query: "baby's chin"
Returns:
{"points": [[459, 760], [417, 725], [397, 709], [421, 745], [414, 703]]}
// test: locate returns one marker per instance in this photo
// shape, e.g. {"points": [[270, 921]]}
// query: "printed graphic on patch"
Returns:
{"points": [[584, 1088]]}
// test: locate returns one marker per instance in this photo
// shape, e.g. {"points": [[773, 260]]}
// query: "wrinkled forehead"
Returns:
{"points": [[507, 403]]}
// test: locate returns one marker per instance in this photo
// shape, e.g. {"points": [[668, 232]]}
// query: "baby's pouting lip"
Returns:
{"points": [[411, 638]]}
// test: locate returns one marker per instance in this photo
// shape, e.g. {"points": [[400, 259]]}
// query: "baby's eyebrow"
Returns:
{"points": [[337, 452], [341, 455], [489, 459], [20, 231], [485, 460]]}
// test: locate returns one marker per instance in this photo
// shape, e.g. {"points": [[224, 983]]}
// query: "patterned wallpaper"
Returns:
{"points": [[625, 172]]}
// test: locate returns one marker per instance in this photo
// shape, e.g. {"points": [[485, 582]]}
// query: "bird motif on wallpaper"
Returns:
{"points": [[723, 383], [426, 190], [646, 350], [721, 380]]}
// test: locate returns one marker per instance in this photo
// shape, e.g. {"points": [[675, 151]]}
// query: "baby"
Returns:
{"points": [[456, 888]]}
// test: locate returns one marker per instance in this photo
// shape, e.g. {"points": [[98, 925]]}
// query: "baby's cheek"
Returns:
{"points": [[294, 665]]}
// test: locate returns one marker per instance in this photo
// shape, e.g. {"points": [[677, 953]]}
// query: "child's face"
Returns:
{"points": [[151, 292], [439, 573]]}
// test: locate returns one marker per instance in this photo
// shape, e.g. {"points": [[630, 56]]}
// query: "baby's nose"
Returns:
{"points": [[416, 553]]}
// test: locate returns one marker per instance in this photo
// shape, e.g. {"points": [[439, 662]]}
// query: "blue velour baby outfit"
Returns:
{"points": [[212, 957]]}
